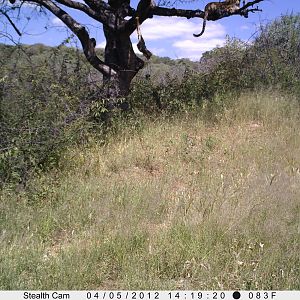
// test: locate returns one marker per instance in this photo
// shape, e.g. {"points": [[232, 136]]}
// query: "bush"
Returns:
{"points": [[42, 109], [220, 75], [274, 58]]}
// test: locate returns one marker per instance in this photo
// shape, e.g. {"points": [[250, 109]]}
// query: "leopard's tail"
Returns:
{"points": [[203, 26]]}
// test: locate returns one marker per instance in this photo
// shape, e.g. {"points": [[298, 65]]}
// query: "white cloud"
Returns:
{"points": [[178, 33], [193, 49], [245, 27], [135, 49], [159, 51], [31, 5], [192, 45], [163, 28], [57, 22], [212, 31], [174, 37], [101, 45]]}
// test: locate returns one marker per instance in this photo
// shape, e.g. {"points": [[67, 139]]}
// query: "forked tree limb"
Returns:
{"points": [[101, 15], [80, 31], [98, 4], [186, 13], [173, 12], [11, 22], [250, 3]]}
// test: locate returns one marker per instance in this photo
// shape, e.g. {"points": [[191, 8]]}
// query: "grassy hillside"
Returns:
{"points": [[179, 203]]}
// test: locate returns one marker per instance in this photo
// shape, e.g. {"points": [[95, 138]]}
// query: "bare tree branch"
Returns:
{"points": [[170, 12], [251, 3], [184, 13], [174, 12], [101, 15], [11, 22], [98, 5], [144, 11], [87, 43]]}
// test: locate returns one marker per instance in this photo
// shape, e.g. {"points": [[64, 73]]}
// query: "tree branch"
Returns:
{"points": [[87, 43], [101, 14], [251, 3], [163, 11], [98, 5], [11, 22], [243, 11], [174, 12], [145, 10], [186, 13]]}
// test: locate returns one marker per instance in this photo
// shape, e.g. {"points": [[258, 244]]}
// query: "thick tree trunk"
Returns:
{"points": [[120, 56]]}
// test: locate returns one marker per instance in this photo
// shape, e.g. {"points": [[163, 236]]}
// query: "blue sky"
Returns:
{"points": [[165, 36]]}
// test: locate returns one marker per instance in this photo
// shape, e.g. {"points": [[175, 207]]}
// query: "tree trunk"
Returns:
{"points": [[120, 56]]}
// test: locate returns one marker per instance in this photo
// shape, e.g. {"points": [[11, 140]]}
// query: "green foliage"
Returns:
{"points": [[274, 56], [41, 111], [273, 59]]}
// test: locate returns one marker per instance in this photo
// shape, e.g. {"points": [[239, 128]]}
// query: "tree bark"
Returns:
{"points": [[119, 56]]}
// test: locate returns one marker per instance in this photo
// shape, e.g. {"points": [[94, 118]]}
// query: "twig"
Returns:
{"points": [[11, 22]]}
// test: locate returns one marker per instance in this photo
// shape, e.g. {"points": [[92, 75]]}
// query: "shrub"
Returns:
{"points": [[41, 112], [274, 58]]}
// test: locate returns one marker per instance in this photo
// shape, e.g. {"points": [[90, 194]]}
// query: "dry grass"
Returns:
{"points": [[182, 204]]}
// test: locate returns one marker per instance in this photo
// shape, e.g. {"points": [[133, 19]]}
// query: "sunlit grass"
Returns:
{"points": [[179, 204]]}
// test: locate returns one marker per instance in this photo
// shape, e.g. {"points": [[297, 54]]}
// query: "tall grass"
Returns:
{"points": [[176, 204]]}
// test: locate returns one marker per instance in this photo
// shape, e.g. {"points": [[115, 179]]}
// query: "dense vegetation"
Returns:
{"points": [[194, 185]]}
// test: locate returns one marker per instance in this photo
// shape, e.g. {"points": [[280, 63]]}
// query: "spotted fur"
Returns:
{"points": [[228, 6]]}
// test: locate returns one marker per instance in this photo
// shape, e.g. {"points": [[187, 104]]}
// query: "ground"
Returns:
{"points": [[181, 203]]}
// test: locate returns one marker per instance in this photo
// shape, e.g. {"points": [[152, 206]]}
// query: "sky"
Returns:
{"points": [[164, 36]]}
